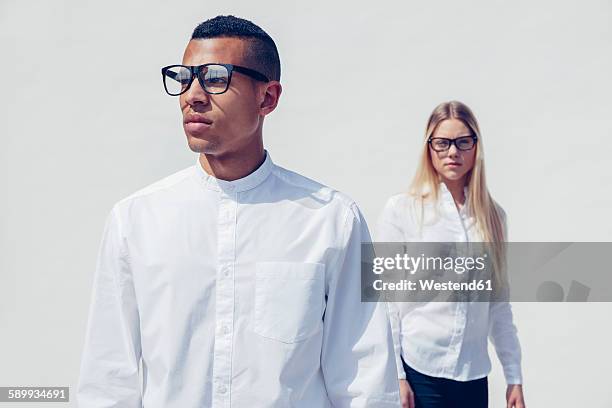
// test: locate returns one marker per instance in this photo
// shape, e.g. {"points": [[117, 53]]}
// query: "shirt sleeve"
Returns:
{"points": [[109, 375], [389, 227], [357, 353], [389, 230], [503, 335], [396, 328], [503, 332]]}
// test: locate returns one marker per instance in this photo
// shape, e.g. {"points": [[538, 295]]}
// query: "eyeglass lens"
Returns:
{"points": [[178, 78], [462, 143]]}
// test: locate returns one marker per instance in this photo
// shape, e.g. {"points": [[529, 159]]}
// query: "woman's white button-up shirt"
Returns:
{"points": [[446, 339]]}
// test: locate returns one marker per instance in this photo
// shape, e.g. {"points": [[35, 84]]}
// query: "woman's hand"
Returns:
{"points": [[406, 394], [514, 396]]}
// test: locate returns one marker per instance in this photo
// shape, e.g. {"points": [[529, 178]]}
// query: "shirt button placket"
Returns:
{"points": [[224, 322], [457, 334]]}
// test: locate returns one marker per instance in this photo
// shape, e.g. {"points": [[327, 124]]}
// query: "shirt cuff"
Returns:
{"points": [[513, 375]]}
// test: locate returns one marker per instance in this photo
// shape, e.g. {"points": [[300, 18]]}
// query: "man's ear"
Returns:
{"points": [[271, 94]]}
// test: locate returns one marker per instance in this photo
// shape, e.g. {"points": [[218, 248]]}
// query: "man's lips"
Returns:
{"points": [[196, 119], [196, 124], [196, 127]]}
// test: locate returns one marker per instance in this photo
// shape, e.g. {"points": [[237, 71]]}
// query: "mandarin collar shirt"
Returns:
{"points": [[240, 293], [446, 339]]}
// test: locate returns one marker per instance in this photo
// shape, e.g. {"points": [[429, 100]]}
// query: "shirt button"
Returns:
{"points": [[226, 330], [222, 389], [226, 272]]}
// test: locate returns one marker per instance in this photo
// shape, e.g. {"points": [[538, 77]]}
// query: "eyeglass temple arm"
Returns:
{"points": [[253, 74]]}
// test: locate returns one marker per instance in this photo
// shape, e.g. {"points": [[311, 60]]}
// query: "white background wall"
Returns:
{"points": [[84, 121]]}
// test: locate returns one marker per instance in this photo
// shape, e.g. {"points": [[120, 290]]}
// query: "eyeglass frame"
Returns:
{"points": [[197, 69], [452, 142]]}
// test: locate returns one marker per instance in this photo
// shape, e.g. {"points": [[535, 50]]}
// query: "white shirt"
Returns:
{"points": [[446, 339], [240, 293]]}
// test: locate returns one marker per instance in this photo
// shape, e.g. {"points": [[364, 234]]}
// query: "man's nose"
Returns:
{"points": [[196, 95]]}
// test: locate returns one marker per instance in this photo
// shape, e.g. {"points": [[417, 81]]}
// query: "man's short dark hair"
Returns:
{"points": [[262, 54]]}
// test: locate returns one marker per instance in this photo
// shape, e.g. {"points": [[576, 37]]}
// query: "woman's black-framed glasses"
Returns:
{"points": [[442, 144], [214, 78]]}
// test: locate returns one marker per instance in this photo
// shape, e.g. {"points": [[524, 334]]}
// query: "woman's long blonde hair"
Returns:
{"points": [[481, 206]]}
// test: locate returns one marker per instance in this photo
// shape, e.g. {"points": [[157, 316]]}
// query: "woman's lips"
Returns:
{"points": [[453, 164]]}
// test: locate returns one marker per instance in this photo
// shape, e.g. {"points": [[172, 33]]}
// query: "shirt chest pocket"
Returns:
{"points": [[289, 300]]}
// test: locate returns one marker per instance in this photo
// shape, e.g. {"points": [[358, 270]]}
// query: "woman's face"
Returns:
{"points": [[452, 164]]}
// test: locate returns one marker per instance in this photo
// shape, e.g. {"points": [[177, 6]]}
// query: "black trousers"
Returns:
{"points": [[434, 392]]}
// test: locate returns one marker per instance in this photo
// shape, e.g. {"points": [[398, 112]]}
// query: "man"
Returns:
{"points": [[235, 281]]}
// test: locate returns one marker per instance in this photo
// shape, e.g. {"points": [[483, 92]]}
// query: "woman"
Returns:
{"points": [[441, 347]]}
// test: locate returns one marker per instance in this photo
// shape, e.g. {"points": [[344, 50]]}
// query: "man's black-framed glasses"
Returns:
{"points": [[442, 144], [214, 78]]}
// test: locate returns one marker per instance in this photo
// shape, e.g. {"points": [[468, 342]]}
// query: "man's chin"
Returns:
{"points": [[198, 145]]}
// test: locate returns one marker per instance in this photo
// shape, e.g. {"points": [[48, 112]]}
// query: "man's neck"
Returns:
{"points": [[232, 166]]}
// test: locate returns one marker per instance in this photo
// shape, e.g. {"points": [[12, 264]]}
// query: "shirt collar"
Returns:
{"points": [[247, 182], [447, 198]]}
